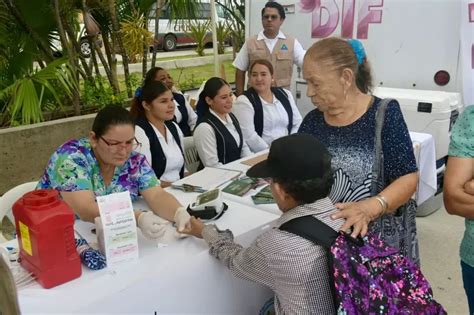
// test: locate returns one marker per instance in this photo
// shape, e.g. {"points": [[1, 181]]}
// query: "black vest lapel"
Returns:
{"points": [[183, 124], [256, 102], [158, 157]]}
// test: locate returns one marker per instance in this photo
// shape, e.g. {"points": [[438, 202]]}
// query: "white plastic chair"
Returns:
{"points": [[11, 196], [191, 156]]}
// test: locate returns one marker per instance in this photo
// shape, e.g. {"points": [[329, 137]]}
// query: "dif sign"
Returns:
{"points": [[328, 14]]}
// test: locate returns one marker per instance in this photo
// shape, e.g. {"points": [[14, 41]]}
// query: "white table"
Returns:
{"points": [[425, 154], [247, 199], [178, 276], [423, 147]]}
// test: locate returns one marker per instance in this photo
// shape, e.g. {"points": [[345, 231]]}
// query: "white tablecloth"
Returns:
{"points": [[177, 276], [424, 149]]}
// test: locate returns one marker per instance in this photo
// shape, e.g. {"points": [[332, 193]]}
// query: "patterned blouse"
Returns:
{"points": [[462, 145], [74, 167], [294, 268], [353, 150]]}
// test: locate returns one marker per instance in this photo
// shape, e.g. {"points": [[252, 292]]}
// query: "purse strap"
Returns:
{"points": [[378, 163]]}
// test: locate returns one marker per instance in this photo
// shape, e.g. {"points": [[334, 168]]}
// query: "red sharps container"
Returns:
{"points": [[45, 229]]}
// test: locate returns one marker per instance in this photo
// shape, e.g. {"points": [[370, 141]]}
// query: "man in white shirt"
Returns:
{"points": [[271, 44]]}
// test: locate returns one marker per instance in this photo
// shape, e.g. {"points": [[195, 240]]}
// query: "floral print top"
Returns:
{"points": [[74, 167]]}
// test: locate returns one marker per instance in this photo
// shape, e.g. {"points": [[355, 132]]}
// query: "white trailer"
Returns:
{"points": [[420, 51]]}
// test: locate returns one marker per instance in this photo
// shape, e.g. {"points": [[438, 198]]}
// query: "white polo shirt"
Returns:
{"points": [[241, 61]]}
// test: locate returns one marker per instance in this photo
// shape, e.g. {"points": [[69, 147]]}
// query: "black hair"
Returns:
{"points": [[148, 93], [211, 88], [150, 76], [275, 5], [111, 115], [309, 190]]}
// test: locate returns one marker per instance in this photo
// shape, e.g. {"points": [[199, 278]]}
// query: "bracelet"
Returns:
{"points": [[383, 203]]}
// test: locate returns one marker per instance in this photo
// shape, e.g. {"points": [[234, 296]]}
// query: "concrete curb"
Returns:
{"points": [[173, 64]]}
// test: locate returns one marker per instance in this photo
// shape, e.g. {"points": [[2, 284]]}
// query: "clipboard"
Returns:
{"points": [[255, 159]]}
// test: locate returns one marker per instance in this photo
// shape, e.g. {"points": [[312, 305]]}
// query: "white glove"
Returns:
{"points": [[181, 218], [151, 225]]}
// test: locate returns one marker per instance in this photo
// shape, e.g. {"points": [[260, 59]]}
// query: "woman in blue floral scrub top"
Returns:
{"points": [[459, 192], [105, 163]]}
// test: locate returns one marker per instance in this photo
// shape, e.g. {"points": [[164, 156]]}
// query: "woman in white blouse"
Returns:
{"points": [[218, 137], [161, 139], [265, 113], [184, 114]]}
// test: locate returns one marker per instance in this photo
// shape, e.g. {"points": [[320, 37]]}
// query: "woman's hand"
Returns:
{"points": [[195, 228], [358, 215]]}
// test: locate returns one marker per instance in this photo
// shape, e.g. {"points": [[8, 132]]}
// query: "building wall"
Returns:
{"points": [[25, 150]]}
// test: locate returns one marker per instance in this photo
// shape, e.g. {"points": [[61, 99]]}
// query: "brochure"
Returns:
{"points": [[119, 230]]}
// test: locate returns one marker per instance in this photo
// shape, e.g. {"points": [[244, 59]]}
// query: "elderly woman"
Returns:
{"points": [[105, 163], [339, 82], [459, 192], [265, 113]]}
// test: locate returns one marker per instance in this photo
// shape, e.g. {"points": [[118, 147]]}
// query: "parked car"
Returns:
{"points": [[84, 44], [174, 33]]}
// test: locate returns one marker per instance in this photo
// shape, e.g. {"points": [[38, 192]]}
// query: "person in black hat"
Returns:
{"points": [[298, 168]]}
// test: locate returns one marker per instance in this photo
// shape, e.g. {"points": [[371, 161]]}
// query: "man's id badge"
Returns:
{"points": [[284, 47]]}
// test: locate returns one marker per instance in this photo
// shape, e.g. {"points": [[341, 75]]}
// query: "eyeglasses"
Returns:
{"points": [[270, 17], [128, 145]]}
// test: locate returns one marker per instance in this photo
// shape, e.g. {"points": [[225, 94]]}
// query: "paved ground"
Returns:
{"points": [[439, 237]]}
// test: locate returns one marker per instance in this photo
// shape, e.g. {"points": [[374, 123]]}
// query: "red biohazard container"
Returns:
{"points": [[45, 229]]}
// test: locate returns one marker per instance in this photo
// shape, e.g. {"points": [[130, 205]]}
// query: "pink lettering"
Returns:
{"points": [[318, 29], [471, 12], [368, 15], [307, 6], [348, 9]]}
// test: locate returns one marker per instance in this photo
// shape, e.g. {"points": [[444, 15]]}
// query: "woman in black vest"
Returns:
{"points": [[184, 114], [161, 138], [265, 113], [217, 136]]}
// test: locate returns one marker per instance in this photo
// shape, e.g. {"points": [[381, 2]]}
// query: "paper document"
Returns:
{"points": [[119, 228], [255, 159], [209, 178]]}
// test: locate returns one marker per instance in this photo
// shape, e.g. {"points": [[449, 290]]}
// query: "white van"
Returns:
{"points": [[172, 33], [421, 53]]}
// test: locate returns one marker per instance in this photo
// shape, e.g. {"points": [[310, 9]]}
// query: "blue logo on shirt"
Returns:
{"points": [[284, 47]]}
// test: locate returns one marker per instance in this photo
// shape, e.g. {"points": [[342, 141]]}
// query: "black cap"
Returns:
{"points": [[295, 157]]}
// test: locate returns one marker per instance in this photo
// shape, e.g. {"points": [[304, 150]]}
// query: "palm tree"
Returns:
{"points": [[26, 40]]}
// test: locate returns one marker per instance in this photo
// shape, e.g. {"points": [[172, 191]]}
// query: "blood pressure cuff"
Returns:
{"points": [[208, 213]]}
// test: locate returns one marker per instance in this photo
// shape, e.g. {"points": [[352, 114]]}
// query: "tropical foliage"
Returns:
{"points": [[223, 33], [33, 34], [198, 32]]}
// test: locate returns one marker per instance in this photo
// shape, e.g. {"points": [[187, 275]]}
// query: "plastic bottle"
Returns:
{"points": [[45, 229]]}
